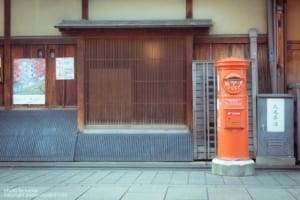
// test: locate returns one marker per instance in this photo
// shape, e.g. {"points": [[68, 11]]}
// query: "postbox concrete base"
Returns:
{"points": [[233, 167]]}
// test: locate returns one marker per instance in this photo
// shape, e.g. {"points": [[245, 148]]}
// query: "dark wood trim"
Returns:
{"points": [[189, 84], [85, 9], [7, 19], [228, 39], [7, 55], [189, 9], [80, 83], [134, 32], [43, 40], [50, 80], [293, 45]]}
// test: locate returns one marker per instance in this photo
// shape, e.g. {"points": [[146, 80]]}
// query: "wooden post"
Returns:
{"points": [[189, 84], [254, 61], [51, 79], [7, 55], [189, 9], [85, 9], [80, 84], [280, 48]]}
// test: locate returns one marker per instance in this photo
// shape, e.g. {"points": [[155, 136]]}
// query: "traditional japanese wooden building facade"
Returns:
{"points": [[133, 60]]}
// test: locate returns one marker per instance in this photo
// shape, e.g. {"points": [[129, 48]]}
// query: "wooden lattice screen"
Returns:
{"points": [[135, 81]]}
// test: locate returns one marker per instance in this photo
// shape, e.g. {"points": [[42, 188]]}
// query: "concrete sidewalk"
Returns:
{"points": [[144, 183]]}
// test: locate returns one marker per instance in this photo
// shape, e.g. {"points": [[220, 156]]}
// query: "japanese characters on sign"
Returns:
{"points": [[275, 115], [233, 85], [65, 68]]}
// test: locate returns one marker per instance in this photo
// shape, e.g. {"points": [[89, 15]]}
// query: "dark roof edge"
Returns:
{"points": [[113, 24]]}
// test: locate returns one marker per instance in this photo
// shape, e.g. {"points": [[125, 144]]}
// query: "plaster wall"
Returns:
{"points": [[38, 17]]}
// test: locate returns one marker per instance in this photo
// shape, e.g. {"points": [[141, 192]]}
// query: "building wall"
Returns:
{"points": [[137, 9], [229, 17], [38, 17], [232, 16], [1, 18]]}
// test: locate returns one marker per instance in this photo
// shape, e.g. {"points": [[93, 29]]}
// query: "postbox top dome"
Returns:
{"points": [[232, 62]]}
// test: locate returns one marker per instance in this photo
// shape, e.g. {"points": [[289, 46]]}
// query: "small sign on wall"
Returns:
{"points": [[65, 68], [275, 115]]}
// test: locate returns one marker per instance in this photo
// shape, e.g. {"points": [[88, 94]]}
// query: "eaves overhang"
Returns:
{"points": [[133, 24]]}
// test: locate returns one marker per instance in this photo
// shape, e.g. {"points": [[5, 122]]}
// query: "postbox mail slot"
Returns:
{"points": [[234, 118]]}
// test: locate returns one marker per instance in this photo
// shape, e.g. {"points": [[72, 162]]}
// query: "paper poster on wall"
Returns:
{"points": [[65, 68], [29, 81]]}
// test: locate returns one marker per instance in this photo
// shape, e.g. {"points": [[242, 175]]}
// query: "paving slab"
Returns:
{"points": [[270, 194], [232, 193], [105, 192], [186, 193], [145, 183]]}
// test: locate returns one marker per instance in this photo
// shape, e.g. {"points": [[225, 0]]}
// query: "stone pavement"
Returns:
{"points": [[84, 183]]}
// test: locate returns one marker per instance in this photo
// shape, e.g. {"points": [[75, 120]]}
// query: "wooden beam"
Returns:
{"points": [[43, 40], [7, 55], [229, 39], [85, 9], [189, 9]]}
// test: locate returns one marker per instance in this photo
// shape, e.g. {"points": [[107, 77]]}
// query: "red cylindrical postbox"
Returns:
{"points": [[232, 140]]}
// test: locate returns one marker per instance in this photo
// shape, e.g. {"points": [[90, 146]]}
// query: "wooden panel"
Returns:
{"points": [[240, 50], [70, 85], [59, 93], [293, 69], [202, 52], [210, 48], [112, 96], [264, 85], [17, 52], [136, 81], [220, 51]]}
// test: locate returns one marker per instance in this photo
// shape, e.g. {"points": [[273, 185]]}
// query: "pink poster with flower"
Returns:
{"points": [[29, 81]]}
